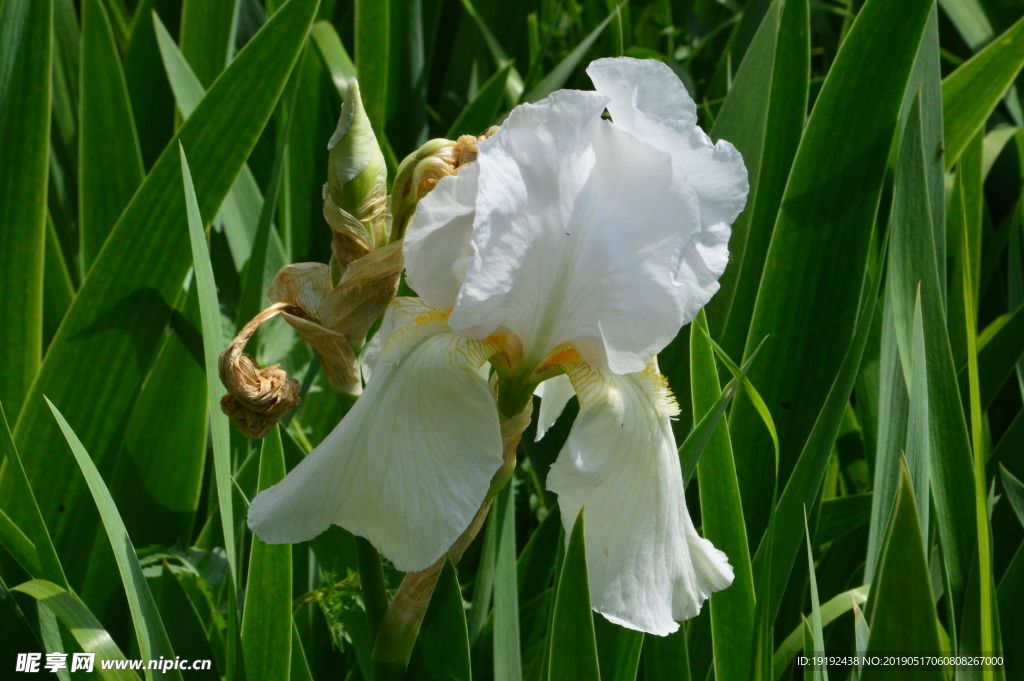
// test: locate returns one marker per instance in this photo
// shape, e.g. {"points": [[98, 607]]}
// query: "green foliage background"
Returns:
{"points": [[861, 471]]}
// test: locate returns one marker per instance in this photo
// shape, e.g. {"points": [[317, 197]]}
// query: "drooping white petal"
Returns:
{"points": [[579, 232], [410, 464], [649, 101], [554, 394], [648, 566], [437, 243]]}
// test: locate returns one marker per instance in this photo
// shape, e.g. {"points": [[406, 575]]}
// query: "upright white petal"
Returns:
{"points": [[649, 101], [437, 244], [648, 566], [554, 394], [410, 464], [579, 232]]}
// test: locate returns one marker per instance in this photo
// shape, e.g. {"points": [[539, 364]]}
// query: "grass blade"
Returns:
{"points": [[559, 75], [442, 648], [1014, 489], [482, 111], [970, 93], [127, 301], [830, 611], [149, 628], [208, 36], [25, 72], [83, 625], [514, 84], [821, 242], [110, 159], [819, 672], [573, 648], [732, 610], [31, 521], [213, 338], [267, 620], [763, 116], [903, 613], [508, 664], [372, 36], [335, 57]]}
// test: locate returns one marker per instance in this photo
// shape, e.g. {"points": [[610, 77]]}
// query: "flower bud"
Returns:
{"points": [[423, 169], [355, 196]]}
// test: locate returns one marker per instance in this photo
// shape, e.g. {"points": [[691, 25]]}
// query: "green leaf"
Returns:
{"points": [[830, 611], [919, 449], [108, 338], [732, 609], [537, 561], [58, 292], [372, 35], [1010, 598], [213, 333], [267, 621], [619, 649], [775, 557], [482, 111], [149, 628], [970, 20], [18, 545], [912, 268], [821, 241], [184, 627], [243, 206], [483, 583], [903, 613], [83, 625], [207, 36], [558, 76], [694, 444], [442, 648], [110, 159], [818, 672], [573, 648], [763, 116], [335, 57], [151, 96], [25, 67], [1014, 489], [30, 521], [842, 515], [666, 657], [508, 664], [970, 93], [997, 359], [514, 83]]}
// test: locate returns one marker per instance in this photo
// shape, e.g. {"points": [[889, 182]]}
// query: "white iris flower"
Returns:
{"points": [[568, 255]]}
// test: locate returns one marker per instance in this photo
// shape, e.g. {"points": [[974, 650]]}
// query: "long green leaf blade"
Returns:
{"points": [[267, 621], [149, 627], [970, 93], [508, 664], [573, 648], [442, 648], [25, 67], [110, 159], [821, 241], [83, 625], [107, 339], [732, 609]]}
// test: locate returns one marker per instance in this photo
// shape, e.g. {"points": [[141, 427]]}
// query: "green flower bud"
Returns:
{"points": [[355, 196], [423, 169]]}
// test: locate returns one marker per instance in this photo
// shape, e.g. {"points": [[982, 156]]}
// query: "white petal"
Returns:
{"points": [[554, 394], [648, 566], [649, 101], [579, 233], [438, 238], [410, 464]]}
